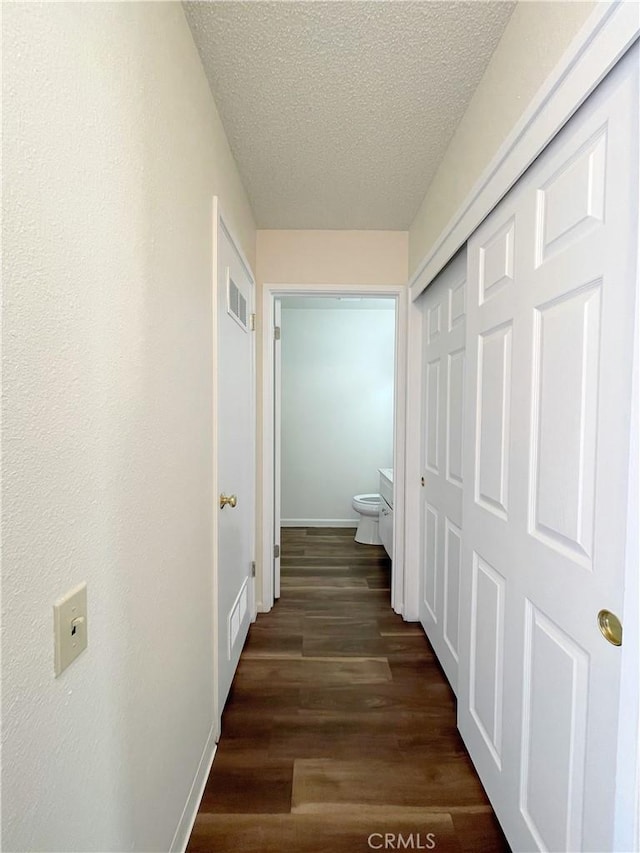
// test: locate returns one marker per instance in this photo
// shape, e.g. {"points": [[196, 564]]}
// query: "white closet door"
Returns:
{"points": [[443, 311], [550, 321]]}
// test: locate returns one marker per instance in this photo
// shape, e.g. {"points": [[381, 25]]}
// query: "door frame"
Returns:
{"points": [[219, 221], [627, 833], [270, 292], [413, 461]]}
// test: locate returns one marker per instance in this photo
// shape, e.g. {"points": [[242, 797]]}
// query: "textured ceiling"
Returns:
{"points": [[338, 113]]}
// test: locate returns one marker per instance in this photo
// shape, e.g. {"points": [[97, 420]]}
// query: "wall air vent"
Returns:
{"points": [[236, 303]]}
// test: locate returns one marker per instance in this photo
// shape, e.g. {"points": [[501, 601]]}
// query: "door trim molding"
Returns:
{"points": [[412, 518], [215, 220], [264, 581], [319, 522], [608, 33], [627, 831]]}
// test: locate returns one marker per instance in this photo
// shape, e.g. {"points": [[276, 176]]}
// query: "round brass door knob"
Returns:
{"points": [[232, 500], [610, 627]]}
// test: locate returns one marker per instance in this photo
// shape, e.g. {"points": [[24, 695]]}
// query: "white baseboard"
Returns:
{"points": [[188, 817], [318, 522]]}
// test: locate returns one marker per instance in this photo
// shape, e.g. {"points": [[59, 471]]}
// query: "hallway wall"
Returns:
{"points": [[112, 152], [375, 258], [537, 35]]}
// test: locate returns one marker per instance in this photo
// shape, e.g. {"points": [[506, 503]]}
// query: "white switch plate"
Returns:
{"points": [[70, 627]]}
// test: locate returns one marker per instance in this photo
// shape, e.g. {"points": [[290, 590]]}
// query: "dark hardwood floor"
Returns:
{"points": [[339, 733]]}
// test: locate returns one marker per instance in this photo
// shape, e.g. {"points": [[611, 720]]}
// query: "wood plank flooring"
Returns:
{"points": [[340, 723]]}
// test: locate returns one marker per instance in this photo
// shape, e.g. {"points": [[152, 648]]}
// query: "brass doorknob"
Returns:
{"points": [[610, 627], [232, 500]]}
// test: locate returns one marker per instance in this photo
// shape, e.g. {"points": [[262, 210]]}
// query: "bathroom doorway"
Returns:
{"points": [[321, 473]]}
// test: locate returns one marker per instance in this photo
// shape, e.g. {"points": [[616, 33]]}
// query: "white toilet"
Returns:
{"points": [[368, 506]]}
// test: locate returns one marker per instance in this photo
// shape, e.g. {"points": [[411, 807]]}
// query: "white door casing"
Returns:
{"points": [[234, 460], [443, 358], [277, 443], [270, 295], [550, 320]]}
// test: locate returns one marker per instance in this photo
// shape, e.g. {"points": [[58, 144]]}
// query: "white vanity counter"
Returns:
{"points": [[386, 484], [385, 519]]}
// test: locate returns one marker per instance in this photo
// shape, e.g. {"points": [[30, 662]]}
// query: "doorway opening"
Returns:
{"points": [[328, 457]]}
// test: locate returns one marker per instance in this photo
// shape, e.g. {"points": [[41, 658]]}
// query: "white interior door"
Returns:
{"points": [[235, 503], [550, 323], [443, 358], [277, 444]]}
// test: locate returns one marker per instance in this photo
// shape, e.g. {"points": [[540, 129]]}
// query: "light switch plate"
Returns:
{"points": [[70, 627]]}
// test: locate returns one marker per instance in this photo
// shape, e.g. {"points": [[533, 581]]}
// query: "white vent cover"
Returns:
{"points": [[236, 303]]}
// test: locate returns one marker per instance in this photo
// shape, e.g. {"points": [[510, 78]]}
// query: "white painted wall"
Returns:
{"points": [[375, 258], [537, 35], [337, 409], [112, 151]]}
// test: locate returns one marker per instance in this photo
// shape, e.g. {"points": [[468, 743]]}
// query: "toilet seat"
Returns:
{"points": [[367, 504]]}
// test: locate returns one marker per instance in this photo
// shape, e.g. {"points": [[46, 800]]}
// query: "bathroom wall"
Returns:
{"points": [[337, 407], [112, 151], [537, 35]]}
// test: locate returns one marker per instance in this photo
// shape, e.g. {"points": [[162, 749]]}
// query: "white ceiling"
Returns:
{"points": [[338, 113]]}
